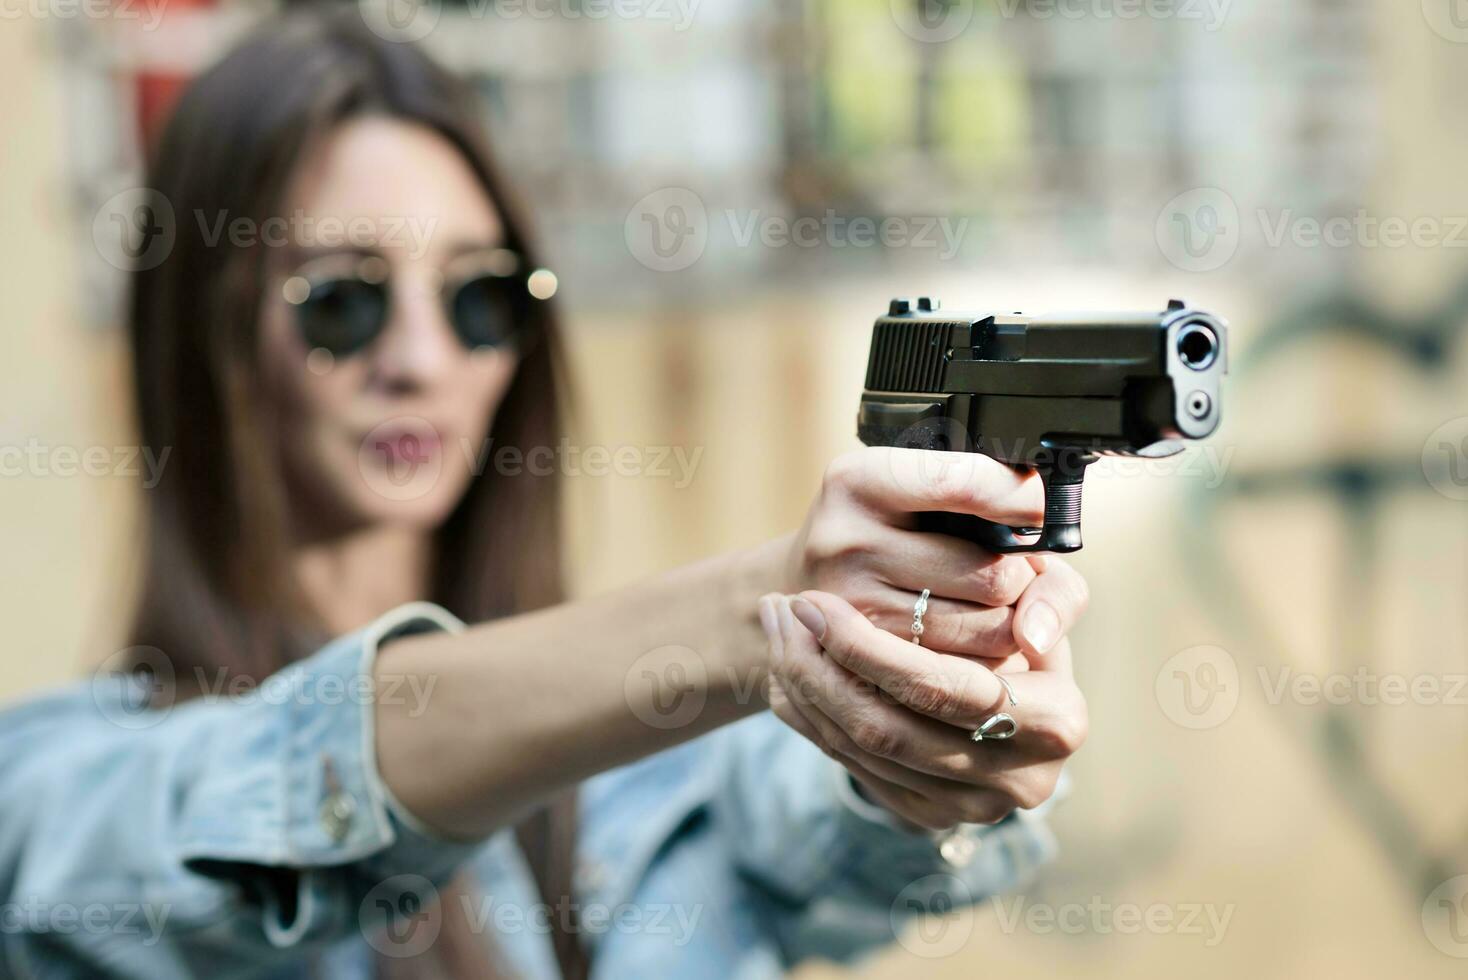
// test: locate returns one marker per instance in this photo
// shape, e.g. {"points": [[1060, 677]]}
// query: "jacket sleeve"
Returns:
{"points": [[222, 835], [842, 877]]}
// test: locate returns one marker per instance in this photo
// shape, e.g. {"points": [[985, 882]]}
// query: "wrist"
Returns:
{"points": [[751, 574]]}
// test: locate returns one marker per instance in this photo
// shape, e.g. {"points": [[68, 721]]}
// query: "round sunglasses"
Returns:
{"points": [[342, 302]]}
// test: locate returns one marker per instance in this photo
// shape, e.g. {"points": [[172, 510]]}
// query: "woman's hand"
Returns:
{"points": [[899, 716], [858, 542]]}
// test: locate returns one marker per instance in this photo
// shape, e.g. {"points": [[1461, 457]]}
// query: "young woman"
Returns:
{"points": [[566, 788]]}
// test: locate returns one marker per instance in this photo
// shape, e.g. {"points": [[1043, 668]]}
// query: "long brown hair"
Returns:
{"points": [[217, 592]]}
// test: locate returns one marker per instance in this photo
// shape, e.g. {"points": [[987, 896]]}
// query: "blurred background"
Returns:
{"points": [[1277, 777]]}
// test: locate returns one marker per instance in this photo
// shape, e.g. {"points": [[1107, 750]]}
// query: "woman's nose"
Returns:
{"points": [[418, 347]]}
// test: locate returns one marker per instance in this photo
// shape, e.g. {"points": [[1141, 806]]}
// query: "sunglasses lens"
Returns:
{"points": [[486, 313], [342, 315]]}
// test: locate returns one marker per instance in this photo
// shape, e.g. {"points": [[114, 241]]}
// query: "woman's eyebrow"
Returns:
{"points": [[464, 246], [305, 253]]}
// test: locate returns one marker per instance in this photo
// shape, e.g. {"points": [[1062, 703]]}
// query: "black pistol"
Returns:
{"points": [[1048, 392]]}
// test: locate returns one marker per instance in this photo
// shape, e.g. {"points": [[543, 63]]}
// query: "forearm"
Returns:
{"points": [[525, 706]]}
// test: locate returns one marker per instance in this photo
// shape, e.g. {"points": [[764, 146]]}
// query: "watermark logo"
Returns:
{"points": [[401, 916], [1099, 917], [488, 915], [943, 907], [1445, 917], [1198, 688], [667, 230], [134, 687], [1447, 18], [667, 687], [836, 231], [411, 233], [932, 21], [1362, 230], [401, 459], [1363, 687], [413, 20], [1210, 13], [401, 20], [1445, 458], [134, 229], [35, 458], [149, 13], [37, 917], [950, 470], [678, 464], [1199, 230]]}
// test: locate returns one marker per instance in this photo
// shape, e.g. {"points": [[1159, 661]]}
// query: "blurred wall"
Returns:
{"points": [[62, 533]]}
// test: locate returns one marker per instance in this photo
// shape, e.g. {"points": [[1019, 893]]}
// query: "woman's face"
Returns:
{"points": [[389, 434]]}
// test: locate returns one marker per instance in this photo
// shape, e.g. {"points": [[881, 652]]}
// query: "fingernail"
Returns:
{"points": [[810, 617], [768, 618], [1041, 626]]}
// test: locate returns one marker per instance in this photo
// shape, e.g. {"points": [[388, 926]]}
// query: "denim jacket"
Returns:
{"points": [[252, 836]]}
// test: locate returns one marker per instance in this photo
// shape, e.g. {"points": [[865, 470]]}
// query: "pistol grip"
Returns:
{"points": [[1061, 533]]}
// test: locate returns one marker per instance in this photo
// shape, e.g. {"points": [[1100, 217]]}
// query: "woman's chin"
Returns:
{"points": [[425, 514], [421, 496]]}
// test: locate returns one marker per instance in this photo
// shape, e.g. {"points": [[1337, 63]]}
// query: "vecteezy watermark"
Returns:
{"points": [[1208, 464], [1445, 458], [1210, 13], [148, 13], [669, 230], [1447, 18], [676, 463], [1362, 230], [1198, 687], [413, 20], [134, 229], [933, 917], [831, 230], [299, 229], [1445, 917], [932, 21], [401, 20], [1363, 687], [403, 458], [136, 688], [401, 916], [39, 459], [1099, 917], [137, 229], [1200, 230], [129, 687], [677, 13], [667, 687], [928, 474], [144, 921], [486, 914], [302, 687]]}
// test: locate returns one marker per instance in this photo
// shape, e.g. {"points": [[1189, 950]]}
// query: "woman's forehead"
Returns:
{"points": [[387, 182]]}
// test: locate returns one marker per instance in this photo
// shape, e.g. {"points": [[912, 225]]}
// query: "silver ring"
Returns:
{"points": [[1013, 701], [918, 608], [986, 733]]}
